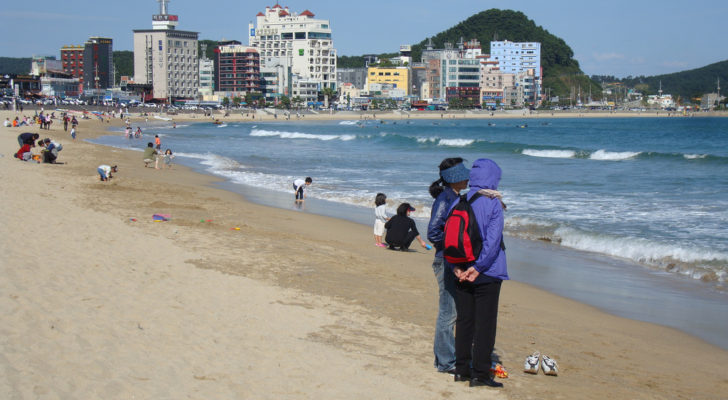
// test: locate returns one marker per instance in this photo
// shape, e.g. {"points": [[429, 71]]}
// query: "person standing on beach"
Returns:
{"points": [[479, 283], [158, 142], [73, 133], [298, 186], [453, 178], [380, 218]]}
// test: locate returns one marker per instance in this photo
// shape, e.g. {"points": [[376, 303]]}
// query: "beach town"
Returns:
{"points": [[163, 283]]}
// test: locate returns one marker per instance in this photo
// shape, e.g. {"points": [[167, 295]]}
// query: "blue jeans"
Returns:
{"points": [[444, 346]]}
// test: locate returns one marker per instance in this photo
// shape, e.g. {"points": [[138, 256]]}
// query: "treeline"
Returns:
{"points": [[12, 65], [687, 85]]}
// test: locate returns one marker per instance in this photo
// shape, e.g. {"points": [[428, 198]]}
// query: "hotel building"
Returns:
{"points": [[166, 58], [98, 63], [520, 58], [296, 41], [237, 69]]}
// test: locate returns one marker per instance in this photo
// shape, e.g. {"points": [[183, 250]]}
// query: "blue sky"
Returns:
{"points": [[615, 37]]}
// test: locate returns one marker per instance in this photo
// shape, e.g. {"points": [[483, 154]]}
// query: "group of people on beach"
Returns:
{"points": [[468, 292], [47, 149]]}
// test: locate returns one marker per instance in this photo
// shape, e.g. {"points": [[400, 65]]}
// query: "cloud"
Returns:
{"points": [[608, 56]]}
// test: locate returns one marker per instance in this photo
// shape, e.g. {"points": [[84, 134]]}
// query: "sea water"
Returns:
{"points": [[651, 191]]}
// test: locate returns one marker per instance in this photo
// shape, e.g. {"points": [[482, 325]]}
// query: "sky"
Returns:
{"points": [[615, 37]]}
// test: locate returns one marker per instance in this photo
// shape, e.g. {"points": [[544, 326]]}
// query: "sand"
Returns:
{"points": [[99, 301]]}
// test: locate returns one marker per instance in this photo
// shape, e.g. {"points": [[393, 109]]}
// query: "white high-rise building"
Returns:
{"points": [[298, 41], [166, 58], [515, 57]]}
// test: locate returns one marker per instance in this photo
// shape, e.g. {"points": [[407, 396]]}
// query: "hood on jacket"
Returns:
{"points": [[485, 174]]}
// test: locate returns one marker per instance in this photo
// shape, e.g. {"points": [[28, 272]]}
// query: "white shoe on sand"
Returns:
{"points": [[531, 364], [549, 366]]}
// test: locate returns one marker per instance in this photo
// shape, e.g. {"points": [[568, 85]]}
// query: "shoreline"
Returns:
{"points": [[371, 311]]}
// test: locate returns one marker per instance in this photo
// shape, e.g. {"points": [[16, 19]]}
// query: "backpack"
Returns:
{"points": [[462, 243]]}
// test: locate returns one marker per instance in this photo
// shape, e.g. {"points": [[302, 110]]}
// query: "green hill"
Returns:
{"points": [[561, 71], [686, 84], [11, 65]]}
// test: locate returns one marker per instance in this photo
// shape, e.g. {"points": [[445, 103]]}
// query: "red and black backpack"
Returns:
{"points": [[463, 242]]}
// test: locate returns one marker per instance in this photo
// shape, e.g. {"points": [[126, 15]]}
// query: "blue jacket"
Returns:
{"points": [[491, 263], [440, 210]]}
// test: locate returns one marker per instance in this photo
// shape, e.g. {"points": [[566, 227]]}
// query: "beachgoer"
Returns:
{"points": [[479, 284], [380, 218], [7, 123], [168, 156], [24, 153], [157, 142], [74, 122], [65, 122], [150, 155], [50, 153], [138, 132], [105, 172], [453, 178], [401, 229], [298, 186], [27, 137], [73, 133]]}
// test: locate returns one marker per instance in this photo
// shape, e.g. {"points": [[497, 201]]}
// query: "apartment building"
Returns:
{"points": [[166, 58], [397, 77], [295, 40], [237, 69]]}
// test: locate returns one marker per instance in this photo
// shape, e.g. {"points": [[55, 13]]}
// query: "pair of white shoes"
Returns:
{"points": [[547, 363]]}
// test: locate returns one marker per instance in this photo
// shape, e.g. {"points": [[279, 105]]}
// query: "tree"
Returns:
{"points": [[327, 94], [285, 102], [297, 101], [236, 101], [226, 101]]}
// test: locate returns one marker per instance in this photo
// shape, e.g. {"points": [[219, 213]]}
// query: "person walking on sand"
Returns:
{"points": [[298, 186], [168, 156], [73, 133], [453, 178], [402, 230], [380, 218], [479, 282]]}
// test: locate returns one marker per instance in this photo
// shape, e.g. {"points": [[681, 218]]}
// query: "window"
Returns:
{"points": [[300, 35]]}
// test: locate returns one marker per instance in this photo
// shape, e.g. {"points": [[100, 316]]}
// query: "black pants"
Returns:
{"points": [[403, 243], [475, 327]]}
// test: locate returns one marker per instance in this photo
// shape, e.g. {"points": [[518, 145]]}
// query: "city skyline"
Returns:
{"points": [[626, 38]]}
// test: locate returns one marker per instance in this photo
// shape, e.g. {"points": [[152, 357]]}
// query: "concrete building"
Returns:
{"points": [[398, 77], [298, 41], [72, 59], [517, 58], [206, 85], [98, 63], [355, 76], [237, 70], [166, 58]]}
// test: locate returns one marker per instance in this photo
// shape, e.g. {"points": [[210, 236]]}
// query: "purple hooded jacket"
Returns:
{"points": [[485, 174]]}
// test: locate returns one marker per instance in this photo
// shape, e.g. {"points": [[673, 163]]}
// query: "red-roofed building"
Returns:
{"points": [[287, 39]]}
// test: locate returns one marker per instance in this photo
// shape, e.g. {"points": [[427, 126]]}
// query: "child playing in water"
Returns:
{"points": [[168, 156], [380, 218]]}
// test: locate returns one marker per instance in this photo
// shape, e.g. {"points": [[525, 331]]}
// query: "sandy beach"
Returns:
{"points": [[100, 301]]}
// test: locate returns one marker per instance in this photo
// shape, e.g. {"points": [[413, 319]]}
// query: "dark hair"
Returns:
{"points": [[403, 208], [439, 185], [150, 144], [309, 180], [380, 199]]}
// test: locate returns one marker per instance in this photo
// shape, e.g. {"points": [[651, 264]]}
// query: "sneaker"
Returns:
{"points": [[381, 244], [549, 366], [530, 366]]}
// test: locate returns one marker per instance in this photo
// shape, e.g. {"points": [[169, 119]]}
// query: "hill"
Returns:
{"points": [[561, 71], [11, 65], [687, 85]]}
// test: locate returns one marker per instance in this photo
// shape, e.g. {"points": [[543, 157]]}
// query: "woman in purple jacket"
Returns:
{"points": [[478, 286]]}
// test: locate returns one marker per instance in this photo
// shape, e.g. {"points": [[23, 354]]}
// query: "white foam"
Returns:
{"points": [[427, 139], [348, 122], [456, 142], [549, 153], [299, 135], [694, 156], [604, 155]]}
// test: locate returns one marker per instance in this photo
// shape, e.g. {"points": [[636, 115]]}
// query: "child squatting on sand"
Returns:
{"points": [[380, 218], [105, 172]]}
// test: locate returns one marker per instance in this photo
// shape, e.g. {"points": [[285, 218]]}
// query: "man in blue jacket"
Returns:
{"points": [[478, 286]]}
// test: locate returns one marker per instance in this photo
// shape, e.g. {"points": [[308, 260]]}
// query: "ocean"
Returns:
{"points": [[651, 193]]}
